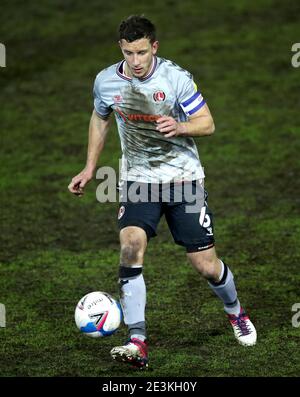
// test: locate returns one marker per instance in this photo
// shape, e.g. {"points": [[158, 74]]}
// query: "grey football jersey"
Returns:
{"points": [[137, 103]]}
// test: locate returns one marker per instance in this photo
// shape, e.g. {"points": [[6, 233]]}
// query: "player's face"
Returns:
{"points": [[139, 55]]}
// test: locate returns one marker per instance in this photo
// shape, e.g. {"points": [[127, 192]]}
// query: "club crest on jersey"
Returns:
{"points": [[159, 96], [118, 99], [121, 212]]}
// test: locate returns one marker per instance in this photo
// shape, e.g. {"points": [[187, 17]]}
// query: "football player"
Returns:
{"points": [[158, 110]]}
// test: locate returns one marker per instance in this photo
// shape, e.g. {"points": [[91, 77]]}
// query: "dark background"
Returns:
{"points": [[56, 248]]}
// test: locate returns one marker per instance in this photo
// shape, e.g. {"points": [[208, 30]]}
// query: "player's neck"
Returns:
{"points": [[127, 71]]}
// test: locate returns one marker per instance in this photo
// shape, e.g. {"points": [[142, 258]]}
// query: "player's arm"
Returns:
{"points": [[200, 123], [98, 129]]}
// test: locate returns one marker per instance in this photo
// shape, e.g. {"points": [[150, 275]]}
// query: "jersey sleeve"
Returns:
{"points": [[189, 97], [101, 107]]}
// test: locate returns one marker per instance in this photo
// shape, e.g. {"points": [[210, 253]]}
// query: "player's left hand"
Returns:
{"points": [[168, 126]]}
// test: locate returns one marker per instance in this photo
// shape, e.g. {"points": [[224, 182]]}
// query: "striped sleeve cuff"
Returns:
{"points": [[191, 105]]}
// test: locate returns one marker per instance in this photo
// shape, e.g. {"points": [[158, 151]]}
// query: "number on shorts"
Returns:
{"points": [[204, 218]]}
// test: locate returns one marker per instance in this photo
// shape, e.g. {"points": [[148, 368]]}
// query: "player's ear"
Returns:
{"points": [[155, 46], [120, 43]]}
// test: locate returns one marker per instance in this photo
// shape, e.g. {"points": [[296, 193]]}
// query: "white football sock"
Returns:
{"points": [[226, 291], [133, 299]]}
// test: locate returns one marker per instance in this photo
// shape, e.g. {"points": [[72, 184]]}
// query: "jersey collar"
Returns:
{"points": [[120, 70]]}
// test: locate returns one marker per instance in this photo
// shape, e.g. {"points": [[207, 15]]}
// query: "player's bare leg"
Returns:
{"points": [[207, 263], [133, 242], [221, 281]]}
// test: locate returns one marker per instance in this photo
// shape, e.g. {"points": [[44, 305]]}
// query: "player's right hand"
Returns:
{"points": [[79, 181]]}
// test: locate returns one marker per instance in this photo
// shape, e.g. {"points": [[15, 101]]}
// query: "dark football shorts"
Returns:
{"points": [[183, 204]]}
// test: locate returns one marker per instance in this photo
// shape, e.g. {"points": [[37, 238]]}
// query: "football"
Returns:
{"points": [[98, 314]]}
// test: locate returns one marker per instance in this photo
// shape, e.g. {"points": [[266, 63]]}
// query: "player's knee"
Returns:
{"points": [[208, 267], [132, 252]]}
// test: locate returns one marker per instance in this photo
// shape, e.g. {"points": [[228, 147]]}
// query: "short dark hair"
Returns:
{"points": [[137, 27]]}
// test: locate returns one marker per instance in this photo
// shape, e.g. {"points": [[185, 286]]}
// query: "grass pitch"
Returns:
{"points": [[56, 248]]}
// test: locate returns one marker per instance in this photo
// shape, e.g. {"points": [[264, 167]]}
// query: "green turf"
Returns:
{"points": [[55, 248]]}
